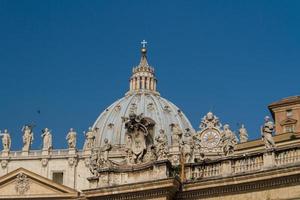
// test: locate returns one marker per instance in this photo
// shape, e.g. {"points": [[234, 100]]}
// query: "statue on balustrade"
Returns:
{"points": [[89, 139], [267, 133], [187, 146], [229, 140], [243, 134], [27, 137], [138, 137], [71, 139], [6, 140], [47, 139], [177, 134], [161, 145]]}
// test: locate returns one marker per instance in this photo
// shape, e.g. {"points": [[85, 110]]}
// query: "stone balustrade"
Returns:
{"points": [[233, 165], [287, 156]]}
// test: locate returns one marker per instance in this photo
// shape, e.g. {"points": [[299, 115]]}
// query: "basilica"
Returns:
{"points": [[143, 147]]}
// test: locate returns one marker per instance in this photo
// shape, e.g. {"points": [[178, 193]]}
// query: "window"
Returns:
{"points": [[289, 113], [58, 177], [288, 128]]}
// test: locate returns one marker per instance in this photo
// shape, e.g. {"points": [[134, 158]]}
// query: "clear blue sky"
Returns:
{"points": [[72, 59]]}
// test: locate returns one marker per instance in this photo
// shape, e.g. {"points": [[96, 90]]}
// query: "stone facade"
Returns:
{"points": [[144, 147]]}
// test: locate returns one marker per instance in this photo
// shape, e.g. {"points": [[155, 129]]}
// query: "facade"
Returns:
{"points": [[144, 147]]}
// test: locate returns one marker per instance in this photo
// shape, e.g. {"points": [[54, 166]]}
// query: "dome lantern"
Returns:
{"points": [[143, 77]]}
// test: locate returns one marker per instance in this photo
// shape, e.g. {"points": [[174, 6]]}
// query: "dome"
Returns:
{"points": [[141, 98]]}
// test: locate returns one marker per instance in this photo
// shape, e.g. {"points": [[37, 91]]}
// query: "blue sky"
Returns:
{"points": [[72, 59]]}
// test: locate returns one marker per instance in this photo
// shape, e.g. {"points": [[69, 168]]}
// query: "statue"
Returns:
{"points": [[27, 137], [161, 145], [138, 137], [6, 140], [177, 134], [89, 139], [71, 138], [106, 148], [266, 132], [243, 134], [229, 140], [93, 165], [47, 139], [187, 146]]}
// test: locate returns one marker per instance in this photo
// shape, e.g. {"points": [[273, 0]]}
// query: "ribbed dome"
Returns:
{"points": [[110, 123], [142, 97]]}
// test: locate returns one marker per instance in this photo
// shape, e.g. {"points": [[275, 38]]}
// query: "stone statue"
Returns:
{"points": [[161, 145], [47, 139], [71, 138], [93, 165], [89, 139], [243, 134], [177, 134], [106, 148], [6, 140], [27, 137], [229, 140], [267, 133], [187, 146], [138, 136]]}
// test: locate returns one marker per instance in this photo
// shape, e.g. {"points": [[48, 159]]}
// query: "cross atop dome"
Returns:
{"points": [[144, 43]]}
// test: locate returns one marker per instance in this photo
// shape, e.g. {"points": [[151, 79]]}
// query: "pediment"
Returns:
{"points": [[21, 183], [288, 121]]}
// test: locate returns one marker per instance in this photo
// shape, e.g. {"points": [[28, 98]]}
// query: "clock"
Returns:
{"points": [[210, 138]]}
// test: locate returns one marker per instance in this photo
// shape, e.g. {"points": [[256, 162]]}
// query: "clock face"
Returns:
{"points": [[210, 138]]}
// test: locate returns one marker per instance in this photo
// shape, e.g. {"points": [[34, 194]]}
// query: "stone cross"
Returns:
{"points": [[144, 42]]}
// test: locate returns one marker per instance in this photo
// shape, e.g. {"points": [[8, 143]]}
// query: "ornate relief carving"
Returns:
{"points": [[162, 145], [72, 161], [210, 121], [209, 137], [44, 162], [150, 107], [4, 163], [22, 184], [138, 137]]}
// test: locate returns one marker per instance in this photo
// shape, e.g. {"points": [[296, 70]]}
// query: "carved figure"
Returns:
{"points": [[229, 140], [243, 134], [71, 139], [161, 145], [89, 139], [27, 137], [93, 165], [47, 139], [266, 132], [138, 136], [187, 146], [6, 140], [106, 148], [177, 134]]}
